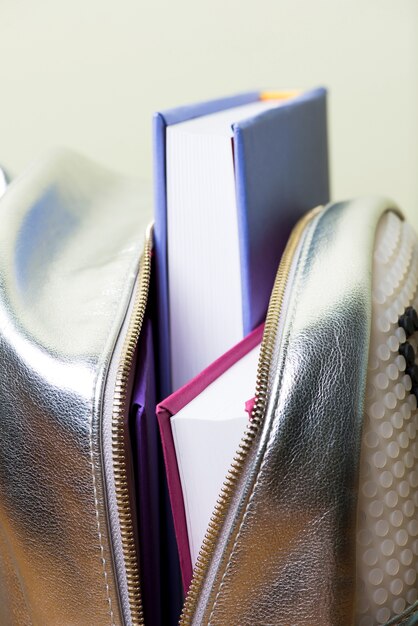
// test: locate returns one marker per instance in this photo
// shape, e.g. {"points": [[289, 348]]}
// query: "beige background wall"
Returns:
{"points": [[89, 74]]}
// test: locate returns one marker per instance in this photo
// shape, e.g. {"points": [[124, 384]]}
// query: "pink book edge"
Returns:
{"points": [[169, 407]]}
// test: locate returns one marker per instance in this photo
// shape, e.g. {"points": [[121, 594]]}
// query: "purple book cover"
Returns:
{"points": [[281, 172]]}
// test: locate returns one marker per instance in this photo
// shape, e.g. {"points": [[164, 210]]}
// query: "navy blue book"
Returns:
{"points": [[232, 177]]}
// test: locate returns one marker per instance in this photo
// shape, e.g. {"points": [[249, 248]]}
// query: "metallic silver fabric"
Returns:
{"points": [[286, 552], [71, 237]]}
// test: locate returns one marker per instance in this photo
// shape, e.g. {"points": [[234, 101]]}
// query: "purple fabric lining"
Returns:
{"points": [[145, 438]]}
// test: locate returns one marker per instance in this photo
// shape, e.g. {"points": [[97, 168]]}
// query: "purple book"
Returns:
{"points": [[281, 170]]}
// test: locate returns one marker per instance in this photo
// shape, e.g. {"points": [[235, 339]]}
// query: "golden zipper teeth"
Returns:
{"points": [[261, 396], [119, 443]]}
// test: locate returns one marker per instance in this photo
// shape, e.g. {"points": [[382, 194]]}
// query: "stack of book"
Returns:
{"points": [[232, 177]]}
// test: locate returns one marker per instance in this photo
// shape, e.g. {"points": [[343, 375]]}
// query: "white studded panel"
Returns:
{"points": [[387, 531]]}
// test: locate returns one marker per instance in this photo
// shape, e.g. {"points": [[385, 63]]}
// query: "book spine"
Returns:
{"points": [[160, 257]]}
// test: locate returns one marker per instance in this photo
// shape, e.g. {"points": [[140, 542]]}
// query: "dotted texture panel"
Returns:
{"points": [[387, 525]]}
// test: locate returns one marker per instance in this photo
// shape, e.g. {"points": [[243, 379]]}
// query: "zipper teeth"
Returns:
{"points": [[119, 442], [257, 418]]}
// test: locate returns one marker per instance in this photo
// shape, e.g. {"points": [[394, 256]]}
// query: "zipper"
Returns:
{"points": [[257, 418], [119, 443]]}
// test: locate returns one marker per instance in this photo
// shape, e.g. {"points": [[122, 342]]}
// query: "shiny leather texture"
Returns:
{"points": [[71, 237], [285, 554]]}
